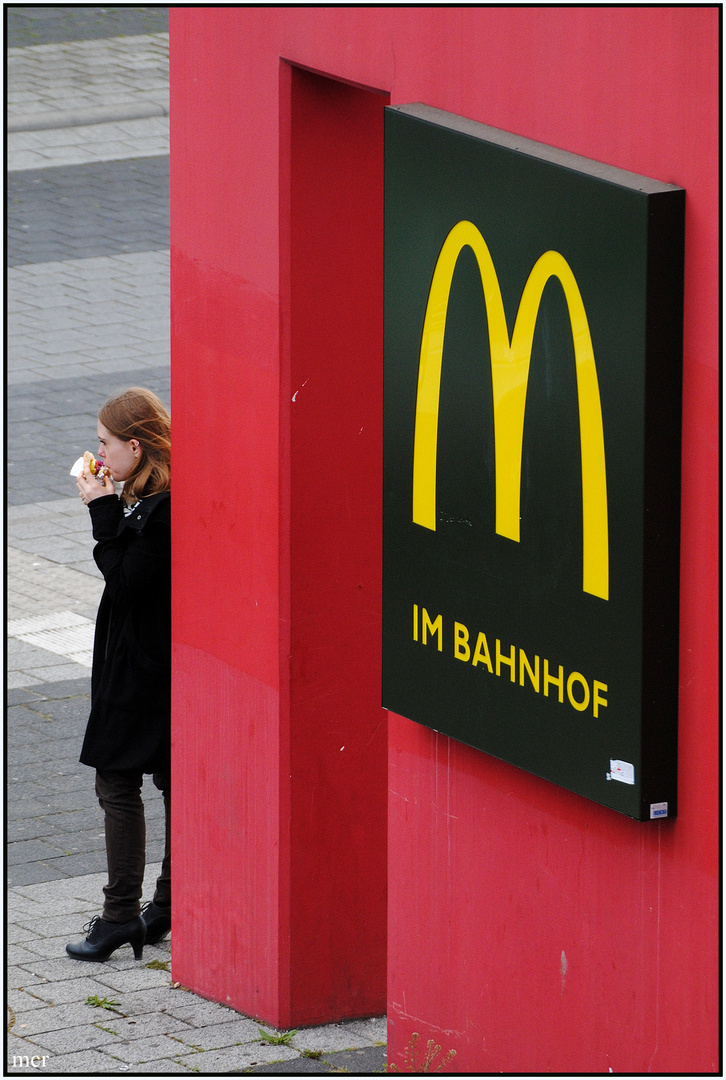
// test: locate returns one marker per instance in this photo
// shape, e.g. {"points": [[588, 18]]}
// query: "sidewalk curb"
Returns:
{"points": [[101, 114]]}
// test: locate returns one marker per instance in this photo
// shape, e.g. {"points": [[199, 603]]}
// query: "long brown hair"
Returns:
{"points": [[139, 414]]}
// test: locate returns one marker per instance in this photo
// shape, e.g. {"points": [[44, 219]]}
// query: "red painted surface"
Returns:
{"points": [[529, 930], [332, 433], [280, 846]]}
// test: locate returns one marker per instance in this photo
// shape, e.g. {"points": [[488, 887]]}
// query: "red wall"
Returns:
{"points": [[280, 745], [529, 930], [332, 465]]}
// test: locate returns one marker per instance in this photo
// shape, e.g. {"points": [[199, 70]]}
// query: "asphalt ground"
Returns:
{"points": [[44, 25], [78, 211], [86, 315]]}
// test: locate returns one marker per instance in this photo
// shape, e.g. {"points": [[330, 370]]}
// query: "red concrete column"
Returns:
{"points": [[331, 408], [280, 742]]}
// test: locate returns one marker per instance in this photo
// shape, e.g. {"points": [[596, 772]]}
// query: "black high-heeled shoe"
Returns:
{"points": [[105, 937], [158, 921]]}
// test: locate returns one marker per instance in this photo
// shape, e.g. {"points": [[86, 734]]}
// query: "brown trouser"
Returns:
{"points": [[119, 794]]}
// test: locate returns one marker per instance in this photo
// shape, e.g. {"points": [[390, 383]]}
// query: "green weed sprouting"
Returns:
{"points": [[276, 1040], [102, 1003]]}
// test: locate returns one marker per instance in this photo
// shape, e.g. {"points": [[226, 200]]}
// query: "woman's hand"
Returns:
{"points": [[89, 487]]}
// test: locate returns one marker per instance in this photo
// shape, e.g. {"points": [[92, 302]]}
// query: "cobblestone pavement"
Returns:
{"points": [[87, 314]]}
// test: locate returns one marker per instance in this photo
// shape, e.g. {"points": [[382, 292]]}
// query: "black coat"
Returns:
{"points": [[129, 725]]}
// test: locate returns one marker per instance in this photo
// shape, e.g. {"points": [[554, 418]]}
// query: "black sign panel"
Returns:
{"points": [[532, 414]]}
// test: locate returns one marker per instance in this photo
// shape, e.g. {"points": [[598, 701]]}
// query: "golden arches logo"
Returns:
{"points": [[510, 374]]}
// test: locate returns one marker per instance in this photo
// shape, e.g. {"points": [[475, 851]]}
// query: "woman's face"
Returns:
{"points": [[118, 454]]}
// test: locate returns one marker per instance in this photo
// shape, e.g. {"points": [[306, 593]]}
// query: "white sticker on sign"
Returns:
{"points": [[658, 809], [622, 771]]}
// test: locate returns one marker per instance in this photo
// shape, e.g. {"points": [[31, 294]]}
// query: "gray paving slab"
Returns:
{"points": [[215, 1036], [21, 1051], [61, 993], [55, 826], [144, 1027], [80, 102], [124, 982], [32, 873], [74, 1039], [25, 851], [167, 1067], [40, 1021], [241, 1058], [367, 1060], [17, 978], [129, 136], [198, 1013], [23, 1001], [108, 208], [121, 347], [57, 77], [41, 24], [301, 1066], [90, 1062]]}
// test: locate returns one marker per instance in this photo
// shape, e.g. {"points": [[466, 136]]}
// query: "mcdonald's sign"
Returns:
{"points": [[532, 400]]}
